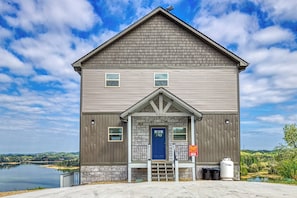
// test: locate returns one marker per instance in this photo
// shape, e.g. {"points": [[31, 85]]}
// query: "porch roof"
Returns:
{"points": [[178, 103]]}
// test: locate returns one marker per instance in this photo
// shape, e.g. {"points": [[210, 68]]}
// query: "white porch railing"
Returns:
{"points": [[182, 152], [140, 153]]}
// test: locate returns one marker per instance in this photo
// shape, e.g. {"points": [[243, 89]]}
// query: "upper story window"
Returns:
{"points": [[161, 79], [112, 80]]}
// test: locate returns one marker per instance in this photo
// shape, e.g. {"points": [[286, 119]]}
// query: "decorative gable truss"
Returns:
{"points": [[161, 103]]}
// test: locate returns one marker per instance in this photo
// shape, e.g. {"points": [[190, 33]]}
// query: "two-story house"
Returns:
{"points": [[150, 92]]}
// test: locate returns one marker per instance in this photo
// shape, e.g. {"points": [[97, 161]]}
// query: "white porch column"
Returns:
{"points": [[149, 170], [129, 148], [176, 171], [193, 143]]}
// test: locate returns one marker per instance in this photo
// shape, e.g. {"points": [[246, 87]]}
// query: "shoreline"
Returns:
{"points": [[10, 163], [53, 166]]}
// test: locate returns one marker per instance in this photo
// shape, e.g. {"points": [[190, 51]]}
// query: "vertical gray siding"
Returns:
{"points": [[95, 148], [216, 139], [204, 89]]}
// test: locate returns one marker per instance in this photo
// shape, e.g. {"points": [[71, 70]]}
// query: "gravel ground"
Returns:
{"points": [[199, 189]]}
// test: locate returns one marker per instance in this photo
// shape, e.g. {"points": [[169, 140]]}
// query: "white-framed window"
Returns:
{"points": [[115, 134], [161, 79], [112, 79], [179, 133]]}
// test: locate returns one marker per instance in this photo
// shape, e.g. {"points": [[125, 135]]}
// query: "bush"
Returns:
{"points": [[272, 169], [243, 170], [253, 168], [288, 169]]}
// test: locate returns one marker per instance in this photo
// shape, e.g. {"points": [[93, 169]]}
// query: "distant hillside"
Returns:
{"points": [[48, 156]]}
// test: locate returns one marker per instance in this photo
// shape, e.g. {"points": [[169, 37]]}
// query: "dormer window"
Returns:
{"points": [[161, 79], [112, 80]]}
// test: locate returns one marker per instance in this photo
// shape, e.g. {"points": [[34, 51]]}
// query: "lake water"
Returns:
{"points": [[258, 179], [28, 176]]}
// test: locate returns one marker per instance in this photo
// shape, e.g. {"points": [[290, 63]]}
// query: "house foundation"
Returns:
{"points": [[90, 174]]}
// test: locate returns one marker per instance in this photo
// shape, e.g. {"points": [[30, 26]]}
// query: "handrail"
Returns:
{"points": [[181, 152]]}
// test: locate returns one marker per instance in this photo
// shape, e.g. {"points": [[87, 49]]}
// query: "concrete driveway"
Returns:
{"points": [[201, 189]]}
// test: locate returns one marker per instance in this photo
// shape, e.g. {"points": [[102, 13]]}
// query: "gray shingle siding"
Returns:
{"points": [[158, 44]]}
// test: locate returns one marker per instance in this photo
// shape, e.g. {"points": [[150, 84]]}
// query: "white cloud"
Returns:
{"points": [[50, 14], [117, 7], [273, 35], [228, 28], [6, 7], [279, 9], [277, 64], [279, 119], [122, 9], [14, 64], [46, 103], [5, 82], [53, 53], [273, 118], [4, 33], [103, 36], [44, 78], [50, 51], [218, 7], [257, 90], [5, 78], [292, 119]]}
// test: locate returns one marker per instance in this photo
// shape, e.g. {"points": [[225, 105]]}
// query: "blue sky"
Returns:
{"points": [[39, 39]]}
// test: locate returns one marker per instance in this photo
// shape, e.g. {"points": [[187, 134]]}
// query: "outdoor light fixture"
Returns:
{"points": [[93, 122], [227, 121]]}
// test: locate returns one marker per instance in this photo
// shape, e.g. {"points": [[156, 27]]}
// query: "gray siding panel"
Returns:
{"points": [[216, 139], [204, 89], [95, 148]]}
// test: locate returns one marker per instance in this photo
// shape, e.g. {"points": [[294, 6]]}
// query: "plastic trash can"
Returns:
{"points": [[206, 174], [215, 174]]}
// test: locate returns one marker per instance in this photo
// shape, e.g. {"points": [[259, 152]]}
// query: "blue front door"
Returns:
{"points": [[158, 144]]}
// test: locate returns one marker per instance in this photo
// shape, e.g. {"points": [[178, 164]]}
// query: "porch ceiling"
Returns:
{"points": [[161, 102]]}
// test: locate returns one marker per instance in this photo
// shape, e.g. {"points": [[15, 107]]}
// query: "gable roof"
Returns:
{"points": [[175, 101], [242, 64]]}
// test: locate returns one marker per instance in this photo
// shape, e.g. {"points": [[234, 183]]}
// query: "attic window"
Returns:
{"points": [[161, 79], [112, 80]]}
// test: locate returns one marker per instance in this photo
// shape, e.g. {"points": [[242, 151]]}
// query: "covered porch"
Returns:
{"points": [[160, 127]]}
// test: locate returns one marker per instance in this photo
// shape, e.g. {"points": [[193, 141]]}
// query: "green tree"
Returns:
{"points": [[290, 135]]}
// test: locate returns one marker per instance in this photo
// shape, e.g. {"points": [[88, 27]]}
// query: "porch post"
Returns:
{"points": [[129, 148], [149, 170], [176, 171], [193, 143]]}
